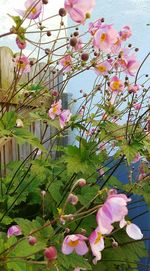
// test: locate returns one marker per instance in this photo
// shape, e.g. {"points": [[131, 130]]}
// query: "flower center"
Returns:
{"points": [[73, 243], [99, 236], [103, 37], [102, 68], [116, 85]]}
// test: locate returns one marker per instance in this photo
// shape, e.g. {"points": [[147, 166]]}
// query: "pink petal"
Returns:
{"points": [[66, 249], [134, 231], [81, 248]]}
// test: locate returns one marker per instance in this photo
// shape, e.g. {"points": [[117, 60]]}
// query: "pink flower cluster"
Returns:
{"points": [[56, 110], [113, 210]]}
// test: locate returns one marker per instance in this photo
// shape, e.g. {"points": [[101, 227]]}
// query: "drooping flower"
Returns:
{"points": [[128, 62], [32, 10], [55, 109], [125, 33], [78, 10], [66, 62], [133, 88], [132, 230], [116, 84], [113, 210], [97, 244], [64, 117], [105, 37], [74, 243], [21, 43], [103, 67], [14, 230], [22, 64]]}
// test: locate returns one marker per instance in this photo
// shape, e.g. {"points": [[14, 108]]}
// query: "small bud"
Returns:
{"points": [[43, 193], [73, 199], [62, 12], [85, 56], [76, 33], [48, 33], [81, 182], [67, 230], [47, 51], [50, 253], [83, 231], [55, 93], [73, 42], [45, 2], [114, 244], [19, 123], [32, 240]]}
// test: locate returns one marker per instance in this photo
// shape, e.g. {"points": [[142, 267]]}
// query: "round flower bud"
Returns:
{"points": [[73, 41], [62, 12], [47, 51], [73, 199], [19, 123], [114, 244], [50, 253], [45, 2], [48, 33], [55, 93], [32, 240], [85, 56], [81, 182], [43, 193]]}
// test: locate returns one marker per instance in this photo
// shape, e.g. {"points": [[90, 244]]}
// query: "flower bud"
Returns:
{"points": [[55, 93], [73, 41], [114, 244], [81, 182], [32, 240], [19, 123], [43, 193], [62, 12], [48, 33], [45, 2], [73, 199], [50, 253], [85, 56]]}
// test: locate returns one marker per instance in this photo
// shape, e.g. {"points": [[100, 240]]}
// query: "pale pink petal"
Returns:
{"points": [[134, 231], [122, 223], [81, 248]]}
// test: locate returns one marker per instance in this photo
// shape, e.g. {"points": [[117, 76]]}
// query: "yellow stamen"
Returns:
{"points": [[98, 238], [101, 68], [73, 243], [116, 85], [103, 37]]}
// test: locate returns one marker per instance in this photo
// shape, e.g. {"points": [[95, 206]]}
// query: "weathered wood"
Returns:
{"points": [[6, 68]]}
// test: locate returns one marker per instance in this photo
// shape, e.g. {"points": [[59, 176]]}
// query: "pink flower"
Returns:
{"points": [[125, 33], [103, 67], [22, 64], [113, 210], [137, 106], [133, 88], [66, 62], [64, 117], [128, 62], [33, 9], [55, 110], [116, 84], [14, 230], [74, 242], [97, 244], [21, 43], [79, 9], [93, 27], [132, 230], [105, 38]]}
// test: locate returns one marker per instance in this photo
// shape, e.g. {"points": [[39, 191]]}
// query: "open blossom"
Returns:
{"points": [[133, 88], [105, 37], [103, 67], [137, 106], [132, 230], [125, 33], [22, 64], [116, 84], [55, 109], [113, 210], [64, 117], [32, 10], [79, 9], [14, 230], [66, 62], [74, 243], [97, 244], [128, 62]]}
